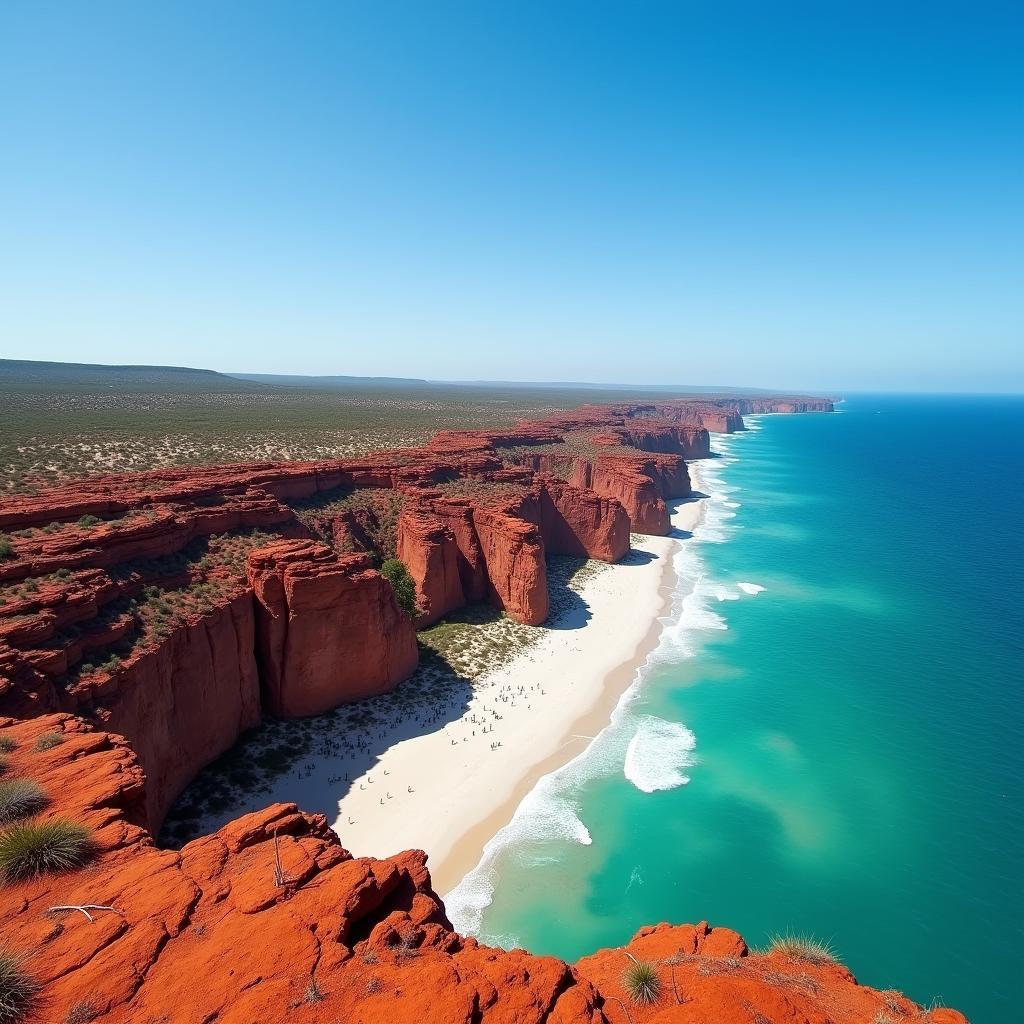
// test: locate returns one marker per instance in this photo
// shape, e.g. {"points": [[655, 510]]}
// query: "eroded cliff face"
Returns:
{"points": [[316, 611], [580, 521], [270, 919], [138, 641], [185, 702], [429, 549]]}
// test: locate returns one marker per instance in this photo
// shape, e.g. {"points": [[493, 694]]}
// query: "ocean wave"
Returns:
{"points": [[544, 816], [657, 753], [750, 588]]}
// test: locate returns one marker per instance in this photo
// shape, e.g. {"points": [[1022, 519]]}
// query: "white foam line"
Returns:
{"points": [[650, 752]]}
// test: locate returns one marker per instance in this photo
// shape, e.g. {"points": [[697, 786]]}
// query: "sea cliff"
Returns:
{"points": [[148, 619]]}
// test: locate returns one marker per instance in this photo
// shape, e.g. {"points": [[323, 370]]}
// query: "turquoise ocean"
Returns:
{"points": [[840, 753]]}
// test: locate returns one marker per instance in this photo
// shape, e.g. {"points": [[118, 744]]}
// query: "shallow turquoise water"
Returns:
{"points": [[852, 734]]}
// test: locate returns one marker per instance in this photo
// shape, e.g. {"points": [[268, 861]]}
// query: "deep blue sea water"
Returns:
{"points": [[840, 753]]}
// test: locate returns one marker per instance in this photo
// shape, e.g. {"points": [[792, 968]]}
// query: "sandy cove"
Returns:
{"points": [[449, 791], [442, 763]]}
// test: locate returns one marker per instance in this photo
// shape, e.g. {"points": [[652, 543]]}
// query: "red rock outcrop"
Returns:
{"points": [[640, 483], [513, 553], [181, 701], [316, 611], [429, 551], [270, 919], [493, 544], [579, 521], [184, 702]]}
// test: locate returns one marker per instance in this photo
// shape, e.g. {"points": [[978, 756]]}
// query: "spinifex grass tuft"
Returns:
{"points": [[32, 848], [48, 740], [17, 988], [641, 982], [19, 798], [803, 947]]}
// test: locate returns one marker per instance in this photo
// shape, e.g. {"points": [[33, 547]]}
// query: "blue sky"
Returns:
{"points": [[806, 195]]}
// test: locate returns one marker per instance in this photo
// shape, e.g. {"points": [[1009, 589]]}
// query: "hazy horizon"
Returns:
{"points": [[836, 393]]}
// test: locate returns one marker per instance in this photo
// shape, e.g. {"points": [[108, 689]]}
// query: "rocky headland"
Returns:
{"points": [[147, 620]]}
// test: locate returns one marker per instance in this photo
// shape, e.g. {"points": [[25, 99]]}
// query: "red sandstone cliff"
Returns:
{"points": [[317, 612], [163, 630], [578, 521], [431, 553]]}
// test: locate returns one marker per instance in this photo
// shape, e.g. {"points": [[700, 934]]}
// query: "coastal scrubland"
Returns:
{"points": [[62, 421]]}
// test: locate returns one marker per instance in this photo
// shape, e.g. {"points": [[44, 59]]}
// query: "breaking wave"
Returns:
{"points": [[657, 753]]}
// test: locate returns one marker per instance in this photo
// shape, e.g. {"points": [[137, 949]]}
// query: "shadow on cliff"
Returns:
{"points": [[315, 761]]}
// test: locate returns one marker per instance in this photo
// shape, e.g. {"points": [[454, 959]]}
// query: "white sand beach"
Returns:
{"points": [[448, 791]]}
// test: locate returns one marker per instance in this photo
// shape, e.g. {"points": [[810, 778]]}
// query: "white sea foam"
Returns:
{"points": [[750, 588], [545, 816], [657, 753]]}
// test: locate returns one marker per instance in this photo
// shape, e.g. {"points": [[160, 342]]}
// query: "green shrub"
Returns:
{"points": [[19, 798], [803, 947], [17, 989], [395, 572], [86, 521], [32, 848], [6, 744], [48, 741], [641, 982], [6, 547]]}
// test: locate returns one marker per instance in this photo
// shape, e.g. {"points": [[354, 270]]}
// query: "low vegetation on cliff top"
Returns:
{"points": [[371, 512], [80, 425], [803, 947], [32, 848]]}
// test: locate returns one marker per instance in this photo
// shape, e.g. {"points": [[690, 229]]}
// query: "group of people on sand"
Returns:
{"points": [[482, 720]]}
